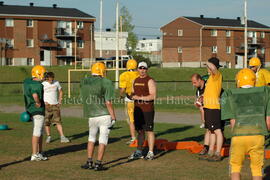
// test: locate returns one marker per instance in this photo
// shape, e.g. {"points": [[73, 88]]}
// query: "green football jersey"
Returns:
{"points": [[31, 87], [95, 91], [249, 107]]}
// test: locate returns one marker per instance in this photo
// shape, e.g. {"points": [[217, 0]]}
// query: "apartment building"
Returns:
{"points": [[105, 42], [191, 41], [32, 35]]}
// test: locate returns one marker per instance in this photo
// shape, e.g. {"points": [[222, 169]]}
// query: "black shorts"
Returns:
{"points": [[213, 119], [143, 120]]}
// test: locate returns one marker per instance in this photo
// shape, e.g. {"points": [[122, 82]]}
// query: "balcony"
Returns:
{"points": [[254, 41], [64, 33], [48, 43]]}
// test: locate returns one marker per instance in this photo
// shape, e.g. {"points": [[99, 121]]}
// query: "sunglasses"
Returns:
{"points": [[142, 68]]}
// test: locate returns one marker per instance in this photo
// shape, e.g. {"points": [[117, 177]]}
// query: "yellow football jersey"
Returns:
{"points": [[126, 80], [262, 78]]}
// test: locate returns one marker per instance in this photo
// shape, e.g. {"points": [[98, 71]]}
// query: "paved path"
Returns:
{"points": [[75, 111]]}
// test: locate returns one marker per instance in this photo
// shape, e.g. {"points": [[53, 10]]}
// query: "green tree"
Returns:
{"points": [[128, 27]]}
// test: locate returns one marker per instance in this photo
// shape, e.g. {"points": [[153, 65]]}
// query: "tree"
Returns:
{"points": [[128, 27]]}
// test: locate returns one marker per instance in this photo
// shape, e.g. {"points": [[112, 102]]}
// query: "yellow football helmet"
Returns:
{"points": [[98, 69], [38, 71], [255, 62], [245, 77], [131, 64]]}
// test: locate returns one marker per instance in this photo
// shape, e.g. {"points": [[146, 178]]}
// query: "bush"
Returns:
{"points": [[139, 58]]}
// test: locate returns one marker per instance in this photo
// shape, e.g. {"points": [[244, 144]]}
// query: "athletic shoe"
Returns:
{"points": [[215, 158], [202, 125], [99, 167], [131, 141], [42, 157], [88, 165], [35, 157], [149, 156], [64, 139], [48, 139], [204, 151], [205, 157], [135, 155]]}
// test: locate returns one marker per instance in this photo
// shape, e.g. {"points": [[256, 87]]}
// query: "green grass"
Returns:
{"points": [[18, 74], [65, 159]]}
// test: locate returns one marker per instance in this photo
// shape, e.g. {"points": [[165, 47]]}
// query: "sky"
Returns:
{"points": [[150, 15]]}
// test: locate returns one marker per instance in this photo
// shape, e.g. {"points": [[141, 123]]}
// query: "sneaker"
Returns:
{"points": [[48, 139], [215, 158], [35, 157], [88, 165], [205, 157], [204, 151], [135, 155], [99, 167], [42, 157], [149, 156], [131, 141], [202, 125], [64, 139]]}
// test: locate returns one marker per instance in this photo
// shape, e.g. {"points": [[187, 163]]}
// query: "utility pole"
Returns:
{"points": [[117, 46], [245, 34], [100, 26]]}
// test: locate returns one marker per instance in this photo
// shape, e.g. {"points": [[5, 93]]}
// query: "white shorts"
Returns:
{"points": [[38, 125], [101, 124]]}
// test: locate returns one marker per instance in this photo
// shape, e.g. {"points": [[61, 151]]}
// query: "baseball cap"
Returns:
{"points": [[143, 64]]}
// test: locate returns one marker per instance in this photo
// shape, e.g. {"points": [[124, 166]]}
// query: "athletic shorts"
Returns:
{"points": [[52, 115], [212, 119], [254, 146], [143, 120]]}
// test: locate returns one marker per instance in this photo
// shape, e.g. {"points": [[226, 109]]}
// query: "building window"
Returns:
{"points": [[150, 44], [9, 23], [142, 45], [9, 61], [9, 43], [180, 32], [213, 32], [262, 34], [263, 50], [228, 49], [80, 24], [30, 62], [29, 23], [251, 34], [179, 50], [214, 49], [228, 33], [165, 33], [80, 44], [29, 43]]}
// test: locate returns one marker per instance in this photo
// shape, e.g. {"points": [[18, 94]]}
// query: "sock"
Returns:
{"points": [[98, 162], [89, 160], [133, 138], [211, 153], [217, 153], [151, 152], [206, 147]]}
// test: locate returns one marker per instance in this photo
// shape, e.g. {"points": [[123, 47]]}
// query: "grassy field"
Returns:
{"points": [[65, 159], [18, 74]]}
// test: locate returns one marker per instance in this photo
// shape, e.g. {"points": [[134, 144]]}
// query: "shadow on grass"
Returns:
{"points": [[15, 162], [193, 138], [174, 130]]}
